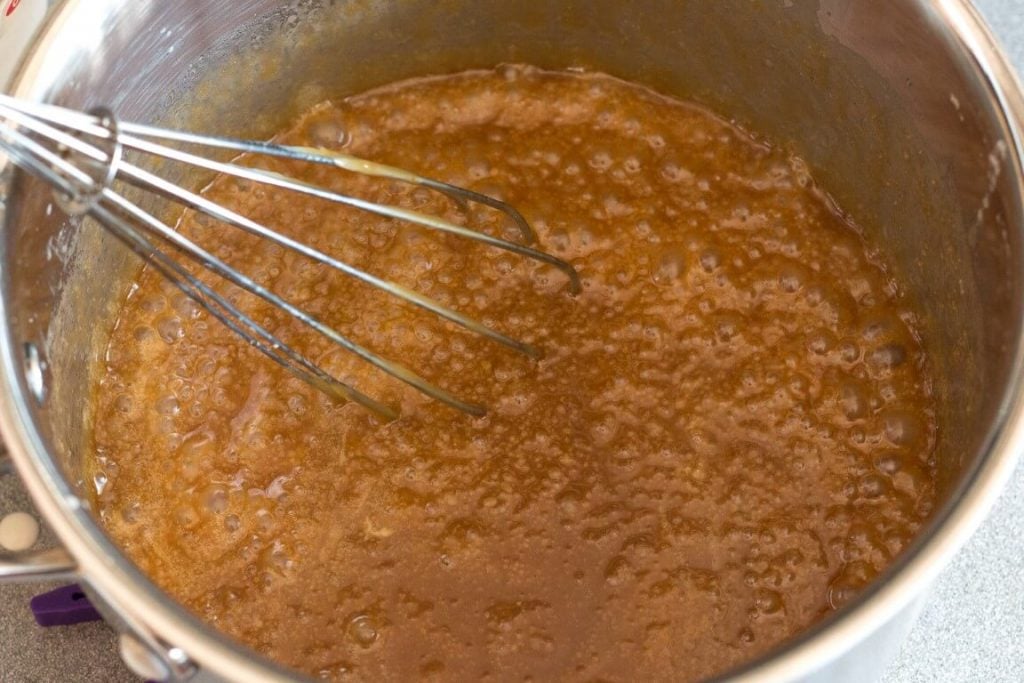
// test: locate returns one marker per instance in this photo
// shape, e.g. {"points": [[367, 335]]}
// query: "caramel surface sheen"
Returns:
{"points": [[730, 433]]}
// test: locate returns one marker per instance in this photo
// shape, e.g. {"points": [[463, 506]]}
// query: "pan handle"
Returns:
{"points": [[53, 564]]}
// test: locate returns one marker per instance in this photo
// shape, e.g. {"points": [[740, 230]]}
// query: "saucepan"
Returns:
{"points": [[906, 110]]}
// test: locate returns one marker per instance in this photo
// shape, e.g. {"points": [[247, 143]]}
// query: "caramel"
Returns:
{"points": [[730, 433]]}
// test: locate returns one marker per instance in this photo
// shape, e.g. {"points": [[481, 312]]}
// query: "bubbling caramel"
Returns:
{"points": [[731, 431]]}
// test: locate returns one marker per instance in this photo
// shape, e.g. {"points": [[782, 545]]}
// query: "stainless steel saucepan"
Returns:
{"points": [[906, 110]]}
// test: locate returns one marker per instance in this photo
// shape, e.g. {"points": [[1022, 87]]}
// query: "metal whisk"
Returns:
{"points": [[81, 155]]}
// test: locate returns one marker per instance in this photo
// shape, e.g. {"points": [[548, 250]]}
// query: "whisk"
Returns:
{"points": [[82, 154]]}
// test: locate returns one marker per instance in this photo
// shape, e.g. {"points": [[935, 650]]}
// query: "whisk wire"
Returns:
{"points": [[41, 161], [208, 260], [238, 322], [82, 192], [129, 138], [197, 202], [339, 160], [152, 182]]}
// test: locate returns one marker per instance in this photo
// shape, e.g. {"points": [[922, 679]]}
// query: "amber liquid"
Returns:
{"points": [[729, 435]]}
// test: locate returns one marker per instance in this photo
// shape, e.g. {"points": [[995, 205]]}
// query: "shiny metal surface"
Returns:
{"points": [[40, 565], [81, 156], [906, 111]]}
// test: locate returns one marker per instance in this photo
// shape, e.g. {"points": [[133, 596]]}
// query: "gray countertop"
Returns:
{"points": [[971, 630]]}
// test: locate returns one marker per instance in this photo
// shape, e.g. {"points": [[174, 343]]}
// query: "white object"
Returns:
{"points": [[18, 531], [19, 20]]}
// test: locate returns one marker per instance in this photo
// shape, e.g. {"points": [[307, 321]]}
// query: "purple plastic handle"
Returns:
{"points": [[62, 607]]}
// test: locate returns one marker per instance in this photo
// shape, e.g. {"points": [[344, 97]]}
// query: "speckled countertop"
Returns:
{"points": [[971, 630]]}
